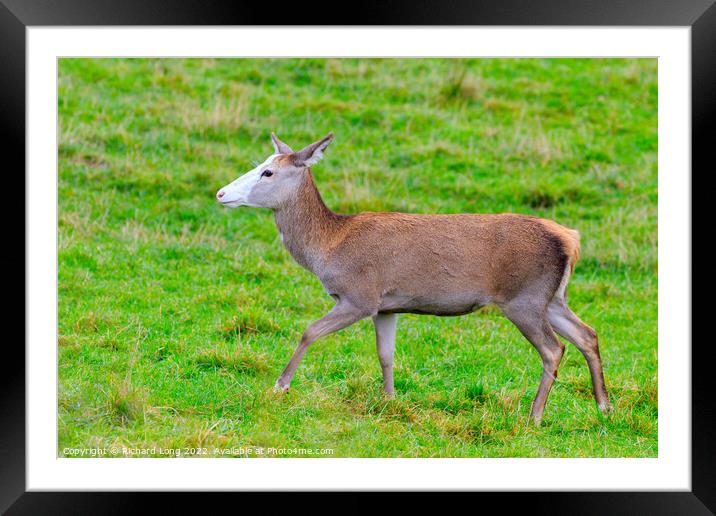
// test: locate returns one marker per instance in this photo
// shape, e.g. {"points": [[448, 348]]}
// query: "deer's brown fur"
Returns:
{"points": [[479, 258]]}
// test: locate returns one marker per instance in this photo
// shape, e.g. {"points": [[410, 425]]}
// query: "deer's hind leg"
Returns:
{"points": [[585, 339], [531, 320]]}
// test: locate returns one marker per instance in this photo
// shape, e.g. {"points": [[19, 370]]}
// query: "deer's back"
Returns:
{"points": [[447, 264]]}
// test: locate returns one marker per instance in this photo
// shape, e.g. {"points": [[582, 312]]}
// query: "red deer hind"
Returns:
{"points": [[381, 264]]}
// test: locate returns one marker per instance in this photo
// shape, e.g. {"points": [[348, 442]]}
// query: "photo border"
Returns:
{"points": [[16, 15]]}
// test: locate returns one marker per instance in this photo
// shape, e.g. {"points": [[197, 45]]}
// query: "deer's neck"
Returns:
{"points": [[307, 226]]}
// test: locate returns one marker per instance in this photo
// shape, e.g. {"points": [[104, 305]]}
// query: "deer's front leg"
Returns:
{"points": [[385, 325], [342, 315]]}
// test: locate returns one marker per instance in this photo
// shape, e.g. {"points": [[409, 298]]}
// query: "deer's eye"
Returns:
{"points": [[266, 173]]}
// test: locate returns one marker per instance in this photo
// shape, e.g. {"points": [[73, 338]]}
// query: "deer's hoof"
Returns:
{"points": [[280, 389], [535, 420], [606, 408]]}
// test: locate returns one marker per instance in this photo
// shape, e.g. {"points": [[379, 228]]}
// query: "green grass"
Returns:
{"points": [[176, 316]]}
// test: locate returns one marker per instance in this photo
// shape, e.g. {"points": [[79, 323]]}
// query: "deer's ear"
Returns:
{"points": [[279, 146], [312, 154]]}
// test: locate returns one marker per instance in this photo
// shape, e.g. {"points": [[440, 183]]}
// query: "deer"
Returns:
{"points": [[381, 264]]}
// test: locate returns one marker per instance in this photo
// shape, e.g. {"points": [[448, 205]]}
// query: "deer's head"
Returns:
{"points": [[275, 180]]}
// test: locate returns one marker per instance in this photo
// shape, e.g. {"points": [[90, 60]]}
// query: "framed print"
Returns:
{"points": [[427, 252]]}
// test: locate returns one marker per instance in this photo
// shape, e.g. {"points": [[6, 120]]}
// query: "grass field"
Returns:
{"points": [[176, 315]]}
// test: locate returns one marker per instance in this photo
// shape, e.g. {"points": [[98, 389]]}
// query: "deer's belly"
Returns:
{"points": [[453, 303]]}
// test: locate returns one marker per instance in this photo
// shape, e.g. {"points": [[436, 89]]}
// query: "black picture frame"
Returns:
{"points": [[17, 15]]}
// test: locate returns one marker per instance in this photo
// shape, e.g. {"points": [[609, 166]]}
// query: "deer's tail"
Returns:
{"points": [[572, 247]]}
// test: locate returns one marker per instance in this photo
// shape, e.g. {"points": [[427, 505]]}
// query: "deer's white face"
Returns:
{"points": [[275, 181], [266, 186]]}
